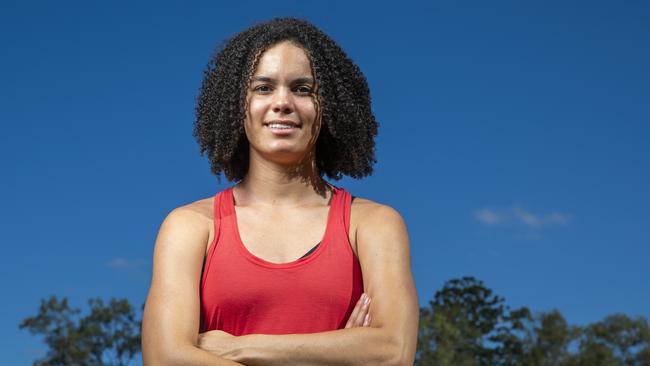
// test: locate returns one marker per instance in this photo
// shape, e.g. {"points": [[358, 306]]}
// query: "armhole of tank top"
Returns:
{"points": [[347, 212], [216, 224]]}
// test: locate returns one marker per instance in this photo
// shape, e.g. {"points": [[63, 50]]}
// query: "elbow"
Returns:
{"points": [[402, 352], [393, 348]]}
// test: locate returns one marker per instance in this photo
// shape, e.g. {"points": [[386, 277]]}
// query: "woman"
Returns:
{"points": [[271, 271]]}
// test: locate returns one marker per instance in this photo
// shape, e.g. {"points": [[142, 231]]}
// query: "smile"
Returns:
{"points": [[282, 125], [283, 128]]}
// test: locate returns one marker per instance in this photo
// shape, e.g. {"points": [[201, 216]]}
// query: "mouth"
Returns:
{"points": [[282, 125]]}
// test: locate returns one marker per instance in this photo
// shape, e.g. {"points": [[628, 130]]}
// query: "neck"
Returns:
{"points": [[272, 183]]}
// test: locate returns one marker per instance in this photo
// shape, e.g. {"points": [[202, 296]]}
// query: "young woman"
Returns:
{"points": [[271, 271]]}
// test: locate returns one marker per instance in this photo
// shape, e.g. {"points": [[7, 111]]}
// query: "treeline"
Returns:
{"points": [[465, 324], [108, 335]]}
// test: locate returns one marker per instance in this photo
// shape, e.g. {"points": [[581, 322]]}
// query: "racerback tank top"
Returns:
{"points": [[243, 294]]}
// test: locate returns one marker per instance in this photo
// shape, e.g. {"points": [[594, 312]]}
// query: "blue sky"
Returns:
{"points": [[513, 140]]}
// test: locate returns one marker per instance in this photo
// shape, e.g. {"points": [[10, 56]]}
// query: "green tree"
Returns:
{"points": [[616, 340], [547, 340], [467, 325], [109, 335]]}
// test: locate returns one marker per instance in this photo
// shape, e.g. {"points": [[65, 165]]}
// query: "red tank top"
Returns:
{"points": [[244, 294]]}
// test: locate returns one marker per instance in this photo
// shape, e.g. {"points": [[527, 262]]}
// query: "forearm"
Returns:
{"points": [[353, 346], [188, 355]]}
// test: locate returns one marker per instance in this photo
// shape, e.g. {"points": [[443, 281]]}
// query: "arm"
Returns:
{"points": [[383, 248], [171, 315]]}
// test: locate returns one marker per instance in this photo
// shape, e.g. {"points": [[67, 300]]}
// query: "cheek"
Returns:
{"points": [[256, 107], [308, 109], [254, 118]]}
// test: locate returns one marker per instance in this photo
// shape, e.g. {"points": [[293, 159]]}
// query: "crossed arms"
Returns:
{"points": [[171, 318]]}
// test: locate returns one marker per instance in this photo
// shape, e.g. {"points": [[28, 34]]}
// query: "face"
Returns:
{"points": [[282, 121]]}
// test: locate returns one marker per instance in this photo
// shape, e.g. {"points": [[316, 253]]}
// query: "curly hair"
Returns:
{"points": [[345, 144]]}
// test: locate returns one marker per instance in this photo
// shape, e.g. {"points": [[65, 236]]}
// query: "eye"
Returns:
{"points": [[263, 89], [303, 89]]}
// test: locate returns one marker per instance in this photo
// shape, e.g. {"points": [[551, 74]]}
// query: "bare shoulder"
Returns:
{"points": [[197, 214], [371, 223], [368, 214], [200, 210], [187, 224]]}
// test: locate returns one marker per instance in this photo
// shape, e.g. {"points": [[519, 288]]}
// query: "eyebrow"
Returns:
{"points": [[266, 79]]}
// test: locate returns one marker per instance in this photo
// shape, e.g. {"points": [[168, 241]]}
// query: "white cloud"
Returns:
{"points": [[527, 218], [119, 263], [491, 217], [488, 217], [537, 220]]}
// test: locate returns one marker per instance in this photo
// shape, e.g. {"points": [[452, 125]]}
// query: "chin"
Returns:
{"points": [[283, 148], [284, 155]]}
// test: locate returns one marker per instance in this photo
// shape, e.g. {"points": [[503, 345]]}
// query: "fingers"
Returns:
{"points": [[367, 320], [363, 320], [360, 316], [355, 313]]}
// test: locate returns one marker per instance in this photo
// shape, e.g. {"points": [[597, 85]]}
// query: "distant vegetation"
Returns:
{"points": [[467, 325], [109, 335], [464, 325]]}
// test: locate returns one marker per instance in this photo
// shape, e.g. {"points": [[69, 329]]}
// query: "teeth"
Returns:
{"points": [[280, 126]]}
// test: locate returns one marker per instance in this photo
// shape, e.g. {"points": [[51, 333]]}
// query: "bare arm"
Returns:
{"points": [[171, 315], [383, 245]]}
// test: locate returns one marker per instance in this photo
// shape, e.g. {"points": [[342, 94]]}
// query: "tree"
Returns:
{"points": [[547, 340], [109, 335], [615, 340], [467, 325]]}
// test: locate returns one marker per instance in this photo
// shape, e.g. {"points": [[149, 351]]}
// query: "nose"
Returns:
{"points": [[282, 102]]}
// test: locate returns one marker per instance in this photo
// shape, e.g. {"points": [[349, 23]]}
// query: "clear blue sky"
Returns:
{"points": [[513, 140]]}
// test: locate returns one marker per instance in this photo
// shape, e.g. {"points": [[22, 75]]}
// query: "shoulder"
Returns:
{"points": [[199, 210], [187, 225], [369, 214], [197, 213], [376, 227]]}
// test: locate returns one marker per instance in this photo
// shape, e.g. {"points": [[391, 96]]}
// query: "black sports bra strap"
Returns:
{"points": [[310, 251]]}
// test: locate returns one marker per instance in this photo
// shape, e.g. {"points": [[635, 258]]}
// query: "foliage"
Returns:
{"points": [[467, 325], [109, 335], [616, 340]]}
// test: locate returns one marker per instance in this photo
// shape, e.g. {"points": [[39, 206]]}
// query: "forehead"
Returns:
{"points": [[284, 59]]}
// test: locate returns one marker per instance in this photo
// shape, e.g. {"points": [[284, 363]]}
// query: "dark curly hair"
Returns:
{"points": [[345, 144]]}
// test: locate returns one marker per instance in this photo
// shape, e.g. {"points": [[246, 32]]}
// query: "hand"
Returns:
{"points": [[360, 316], [220, 343]]}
